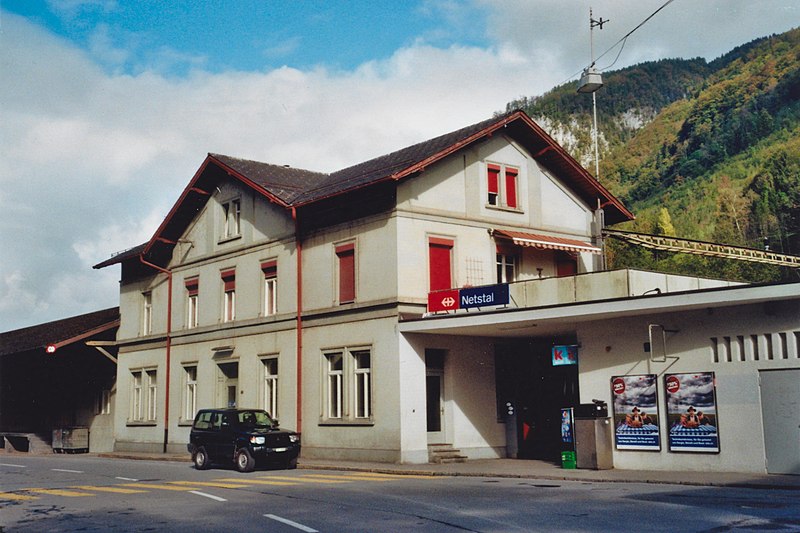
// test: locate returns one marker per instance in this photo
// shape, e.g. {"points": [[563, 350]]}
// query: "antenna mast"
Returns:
{"points": [[591, 81]]}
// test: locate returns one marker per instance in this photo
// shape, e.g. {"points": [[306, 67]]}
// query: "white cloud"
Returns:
{"points": [[93, 161]]}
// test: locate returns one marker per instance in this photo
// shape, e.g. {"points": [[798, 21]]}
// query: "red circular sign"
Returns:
{"points": [[618, 385], [673, 384]]}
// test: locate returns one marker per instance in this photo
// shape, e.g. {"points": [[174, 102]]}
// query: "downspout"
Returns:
{"points": [[299, 246], [169, 343]]}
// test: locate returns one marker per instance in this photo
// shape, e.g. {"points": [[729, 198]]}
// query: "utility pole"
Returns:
{"points": [[591, 81]]}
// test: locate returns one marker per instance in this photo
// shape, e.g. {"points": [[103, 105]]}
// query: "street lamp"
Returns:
{"points": [[590, 82]]}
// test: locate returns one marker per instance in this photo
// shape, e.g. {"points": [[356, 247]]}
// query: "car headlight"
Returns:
{"points": [[294, 438], [257, 440]]}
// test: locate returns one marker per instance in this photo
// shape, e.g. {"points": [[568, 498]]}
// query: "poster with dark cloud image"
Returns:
{"points": [[636, 412], [692, 412]]}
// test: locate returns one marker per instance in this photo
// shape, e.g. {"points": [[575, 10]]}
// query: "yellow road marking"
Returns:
{"points": [[159, 487], [117, 490], [396, 476], [304, 479], [60, 492], [217, 484], [353, 477], [262, 482], [12, 496]]}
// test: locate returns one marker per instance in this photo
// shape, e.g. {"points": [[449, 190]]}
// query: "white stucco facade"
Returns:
{"points": [[345, 353]]}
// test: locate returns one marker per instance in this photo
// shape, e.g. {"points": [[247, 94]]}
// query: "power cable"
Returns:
{"points": [[622, 40]]}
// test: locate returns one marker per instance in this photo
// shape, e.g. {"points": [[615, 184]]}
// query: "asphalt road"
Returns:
{"points": [[85, 493]]}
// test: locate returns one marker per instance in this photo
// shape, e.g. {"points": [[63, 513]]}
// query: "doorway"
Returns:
{"points": [[527, 378], [227, 384], [434, 395], [780, 405]]}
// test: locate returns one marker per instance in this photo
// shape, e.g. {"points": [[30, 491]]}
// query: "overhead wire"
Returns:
{"points": [[623, 40]]}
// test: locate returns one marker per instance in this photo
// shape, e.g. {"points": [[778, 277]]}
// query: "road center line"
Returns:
{"points": [[126, 478], [288, 522], [13, 466], [65, 470], [208, 495]]}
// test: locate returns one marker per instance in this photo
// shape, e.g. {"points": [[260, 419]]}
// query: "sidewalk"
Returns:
{"points": [[528, 469]]}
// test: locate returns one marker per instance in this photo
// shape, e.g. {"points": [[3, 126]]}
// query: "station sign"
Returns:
{"points": [[469, 298]]}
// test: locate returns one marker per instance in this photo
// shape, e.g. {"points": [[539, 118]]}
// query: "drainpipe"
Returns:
{"points": [[299, 245], [169, 343]]}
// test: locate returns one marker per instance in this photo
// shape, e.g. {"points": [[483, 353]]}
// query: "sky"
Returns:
{"points": [[108, 107]]}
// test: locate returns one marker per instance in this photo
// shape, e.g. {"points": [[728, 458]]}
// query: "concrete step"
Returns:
{"points": [[445, 453]]}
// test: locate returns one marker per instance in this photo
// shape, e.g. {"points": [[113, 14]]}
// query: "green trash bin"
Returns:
{"points": [[568, 460]]}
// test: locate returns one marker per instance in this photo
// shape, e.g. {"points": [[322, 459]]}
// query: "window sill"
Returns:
{"points": [[185, 422], [504, 208], [140, 423], [346, 422], [230, 238]]}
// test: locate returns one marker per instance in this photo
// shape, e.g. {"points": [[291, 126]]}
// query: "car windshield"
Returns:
{"points": [[255, 419]]}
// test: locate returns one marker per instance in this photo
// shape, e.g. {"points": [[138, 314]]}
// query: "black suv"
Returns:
{"points": [[241, 436]]}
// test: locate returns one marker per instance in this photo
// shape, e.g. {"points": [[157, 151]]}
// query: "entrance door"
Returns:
{"points": [[780, 407], [227, 384], [527, 379], [434, 394]]}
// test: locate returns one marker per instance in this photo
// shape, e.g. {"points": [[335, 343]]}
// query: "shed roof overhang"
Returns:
{"points": [[546, 242], [561, 319]]}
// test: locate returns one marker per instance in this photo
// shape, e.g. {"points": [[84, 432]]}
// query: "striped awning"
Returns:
{"points": [[546, 242]]}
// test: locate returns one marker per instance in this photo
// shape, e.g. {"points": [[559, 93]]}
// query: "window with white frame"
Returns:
{"points": [[228, 295], [348, 386], [270, 270], [147, 313], [144, 395], [335, 373], [506, 267], [189, 392], [270, 397], [192, 300], [362, 383], [502, 185], [152, 395], [231, 211]]}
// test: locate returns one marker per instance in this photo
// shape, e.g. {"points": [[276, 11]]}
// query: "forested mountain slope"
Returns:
{"points": [[707, 151]]}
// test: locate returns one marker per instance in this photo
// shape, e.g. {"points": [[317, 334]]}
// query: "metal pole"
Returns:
{"points": [[594, 134]]}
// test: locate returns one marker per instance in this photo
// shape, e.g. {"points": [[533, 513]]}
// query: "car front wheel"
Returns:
{"points": [[244, 460], [200, 459]]}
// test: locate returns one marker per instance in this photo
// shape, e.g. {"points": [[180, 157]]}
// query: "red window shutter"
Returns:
{"points": [[229, 280], [193, 286], [440, 253], [270, 269], [347, 272], [511, 187], [493, 173]]}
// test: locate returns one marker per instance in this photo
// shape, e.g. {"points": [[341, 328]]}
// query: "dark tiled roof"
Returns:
{"points": [[122, 256], [57, 332], [388, 165], [293, 187], [283, 182]]}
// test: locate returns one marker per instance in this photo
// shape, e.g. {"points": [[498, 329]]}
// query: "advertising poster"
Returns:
{"points": [[636, 412], [567, 428], [692, 412]]}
